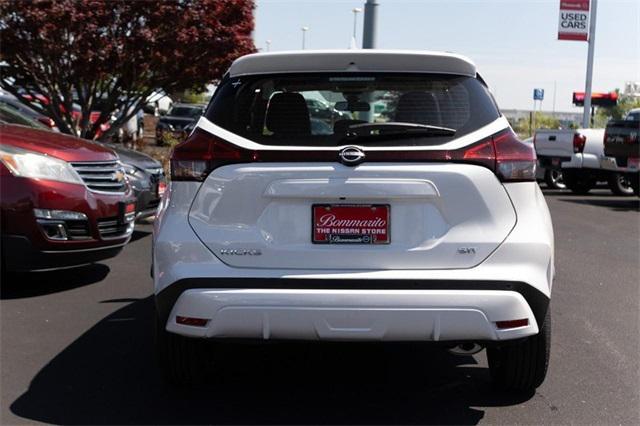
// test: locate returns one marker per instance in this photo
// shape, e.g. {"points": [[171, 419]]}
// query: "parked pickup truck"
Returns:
{"points": [[579, 155], [622, 143]]}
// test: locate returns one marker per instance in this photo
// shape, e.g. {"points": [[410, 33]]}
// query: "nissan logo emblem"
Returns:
{"points": [[351, 156]]}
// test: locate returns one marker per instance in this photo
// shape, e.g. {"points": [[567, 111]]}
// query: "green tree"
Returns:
{"points": [[542, 121]]}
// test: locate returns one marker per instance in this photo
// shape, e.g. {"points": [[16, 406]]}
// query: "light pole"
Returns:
{"points": [[369, 33], [268, 43], [304, 36], [586, 114], [370, 24], [355, 11]]}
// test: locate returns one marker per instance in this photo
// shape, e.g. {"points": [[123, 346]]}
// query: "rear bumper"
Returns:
{"points": [[549, 162], [523, 264], [354, 314]]}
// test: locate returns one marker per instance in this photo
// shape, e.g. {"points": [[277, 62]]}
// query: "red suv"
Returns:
{"points": [[64, 201]]}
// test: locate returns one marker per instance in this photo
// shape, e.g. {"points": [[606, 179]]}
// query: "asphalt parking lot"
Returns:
{"points": [[77, 348]]}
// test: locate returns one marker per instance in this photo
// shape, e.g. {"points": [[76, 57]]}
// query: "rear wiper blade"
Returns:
{"points": [[375, 130]]}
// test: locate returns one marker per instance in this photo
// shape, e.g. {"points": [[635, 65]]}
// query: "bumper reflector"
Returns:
{"points": [[513, 323], [195, 322]]}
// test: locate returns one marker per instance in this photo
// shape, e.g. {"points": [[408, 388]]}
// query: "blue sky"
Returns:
{"points": [[513, 42]]}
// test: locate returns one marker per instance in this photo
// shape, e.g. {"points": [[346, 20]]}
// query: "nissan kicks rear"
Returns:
{"points": [[413, 215]]}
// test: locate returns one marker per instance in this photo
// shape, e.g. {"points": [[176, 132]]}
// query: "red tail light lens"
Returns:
{"points": [[202, 152], [515, 159], [502, 153], [578, 142], [483, 153]]}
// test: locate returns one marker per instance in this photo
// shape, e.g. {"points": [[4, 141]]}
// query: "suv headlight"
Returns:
{"points": [[129, 169], [29, 164]]}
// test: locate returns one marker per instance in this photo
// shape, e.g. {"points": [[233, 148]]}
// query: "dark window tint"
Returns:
{"points": [[12, 116], [319, 109], [181, 111], [634, 116]]}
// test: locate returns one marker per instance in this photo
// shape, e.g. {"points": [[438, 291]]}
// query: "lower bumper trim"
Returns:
{"points": [[166, 299], [353, 315]]}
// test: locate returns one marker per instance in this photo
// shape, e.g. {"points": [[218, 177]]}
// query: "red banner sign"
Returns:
{"points": [[574, 20]]}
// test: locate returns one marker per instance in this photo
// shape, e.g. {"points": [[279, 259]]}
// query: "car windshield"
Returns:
{"points": [[322, 109], [11, 116], [185, 111]]}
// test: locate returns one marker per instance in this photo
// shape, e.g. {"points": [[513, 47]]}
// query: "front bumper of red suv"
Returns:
{"points": [[35, 235]]}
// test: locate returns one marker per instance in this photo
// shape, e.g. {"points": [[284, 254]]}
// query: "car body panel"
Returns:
{"points": [[267, 207], [64, 147], [526, 253]]}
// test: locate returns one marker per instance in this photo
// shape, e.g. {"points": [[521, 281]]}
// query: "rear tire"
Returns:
{"points": [[184, 361], [553, 179], [619, 184], [522, 366], [578, 183]]}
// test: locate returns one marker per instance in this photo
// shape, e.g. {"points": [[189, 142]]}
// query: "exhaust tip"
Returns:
{"points": [[465, 349]]}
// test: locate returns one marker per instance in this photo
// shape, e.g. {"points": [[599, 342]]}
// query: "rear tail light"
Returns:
{"points": [[578, 142], [202, 152], [503, 153], [515, 160]]}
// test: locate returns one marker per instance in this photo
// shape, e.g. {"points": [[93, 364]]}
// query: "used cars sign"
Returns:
{"points": [[574, 20]]}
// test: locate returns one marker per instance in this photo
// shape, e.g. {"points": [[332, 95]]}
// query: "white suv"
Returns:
{"points": [[425, 224]]}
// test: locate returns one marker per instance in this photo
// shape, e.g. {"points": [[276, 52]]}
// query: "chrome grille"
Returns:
{"points": [[78, 229], [110, 228], [102, 176]]}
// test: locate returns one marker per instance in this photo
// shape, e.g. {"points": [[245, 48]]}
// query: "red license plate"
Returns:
{"points": [[350, 224]]}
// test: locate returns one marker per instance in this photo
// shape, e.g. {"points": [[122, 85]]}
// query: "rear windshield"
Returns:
{"points": [[634, 116], [321, 109]]}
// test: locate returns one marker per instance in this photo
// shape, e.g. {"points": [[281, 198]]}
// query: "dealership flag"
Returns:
{"points": [[574, 20]]}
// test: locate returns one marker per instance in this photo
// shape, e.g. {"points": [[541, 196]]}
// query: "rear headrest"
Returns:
{"points": [[287, 114], [418, 108]]}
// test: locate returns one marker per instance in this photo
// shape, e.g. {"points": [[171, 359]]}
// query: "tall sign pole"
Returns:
{"points": [[578, 22], [586, 114], [369, 33]]}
